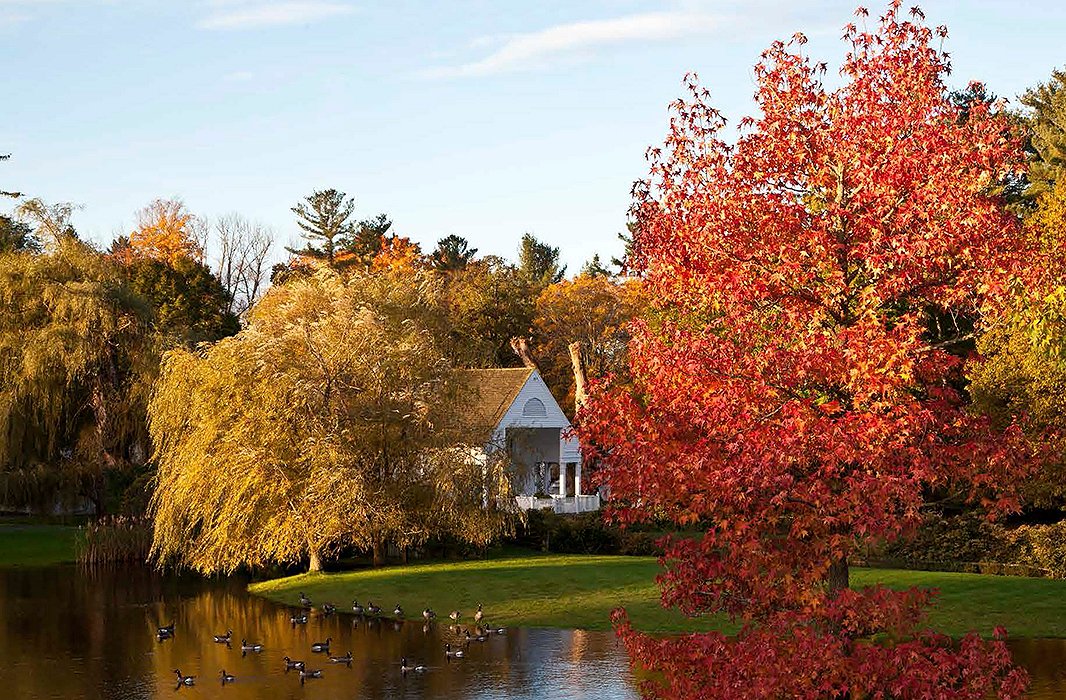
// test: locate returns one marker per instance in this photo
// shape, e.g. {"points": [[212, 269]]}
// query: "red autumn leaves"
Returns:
{"points": [[798, 393]]}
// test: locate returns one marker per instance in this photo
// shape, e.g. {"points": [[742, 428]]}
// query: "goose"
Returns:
{"points": [[328, 609], [498, 630], [478, 638], [304, 675], [478, 615], [223, 638], [290, 664], [405, 668], [372, 609], [298, 619], [454, 615], [164, 632], [322, 646], [458, 653], [304, 600], [428, 614], [227, 678], [184, 680], [346, 659], [357, 608], [245, 646]]}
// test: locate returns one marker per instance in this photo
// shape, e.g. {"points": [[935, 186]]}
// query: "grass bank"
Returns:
{"points": [[576, 591], [31, 544]]}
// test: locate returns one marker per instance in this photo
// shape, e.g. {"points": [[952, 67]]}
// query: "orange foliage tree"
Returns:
{"points": [[794, 396], [591, 309], [166, 231], [398, 253]]}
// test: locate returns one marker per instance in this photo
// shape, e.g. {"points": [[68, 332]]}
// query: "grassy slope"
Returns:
{"points": [[36, 545], [580, 592]]}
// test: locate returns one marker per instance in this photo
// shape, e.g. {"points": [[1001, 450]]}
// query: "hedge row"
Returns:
{"points": [[971, 543], [584, 533]]}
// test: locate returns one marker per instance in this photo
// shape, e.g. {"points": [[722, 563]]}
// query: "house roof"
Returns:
{"points": [[494, 390]]}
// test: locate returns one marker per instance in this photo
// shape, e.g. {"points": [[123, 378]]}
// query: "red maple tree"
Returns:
{"points": [[800, 389]]}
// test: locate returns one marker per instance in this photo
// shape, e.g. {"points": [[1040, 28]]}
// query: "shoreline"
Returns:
{"points": [[579, 592]]}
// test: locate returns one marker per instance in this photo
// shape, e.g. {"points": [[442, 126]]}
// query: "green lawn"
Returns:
{"points": [[35, 544], [580, 591]]}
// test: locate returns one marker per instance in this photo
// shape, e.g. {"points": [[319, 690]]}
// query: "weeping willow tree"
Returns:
{"points": [[325, 423], [76, 365]]}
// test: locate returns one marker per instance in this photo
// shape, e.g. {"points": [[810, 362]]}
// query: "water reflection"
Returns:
{"points": [[69, 633], [1045, 659]]}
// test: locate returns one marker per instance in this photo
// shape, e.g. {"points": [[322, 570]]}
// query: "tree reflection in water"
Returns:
{"points": [[68, 632]]}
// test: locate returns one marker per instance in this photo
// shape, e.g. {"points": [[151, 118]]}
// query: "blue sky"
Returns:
{"points": [[485, 119]]}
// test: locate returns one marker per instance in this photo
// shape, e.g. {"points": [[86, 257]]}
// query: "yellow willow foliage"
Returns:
{"points": [[76, 361], [329, 421]]}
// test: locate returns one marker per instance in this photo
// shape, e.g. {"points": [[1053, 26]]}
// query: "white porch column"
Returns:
{"points": [[577, 479], [562, 467]]}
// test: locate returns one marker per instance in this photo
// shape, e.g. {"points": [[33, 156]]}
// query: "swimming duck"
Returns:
{"points": [[458, 653], [245, 646], [328, 609], [290, 664], [478, 615], [397, 611], [304, 675], [405, 668], [227, 678], [223, 638], [346, 659], [184, 680], [298, 619], [164, 632], [357, 608], [372, 609], [454, 615], [304, 600], [428, 614], [322, 646]]}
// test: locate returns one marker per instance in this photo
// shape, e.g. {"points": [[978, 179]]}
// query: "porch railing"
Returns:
{"points": [[560, 504]]}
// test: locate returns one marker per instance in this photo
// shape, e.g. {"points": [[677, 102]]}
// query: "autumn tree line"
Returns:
{"points": [[117, 361], [313, 402]]}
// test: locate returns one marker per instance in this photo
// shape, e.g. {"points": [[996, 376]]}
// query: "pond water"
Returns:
{"points": [[69, 633]]}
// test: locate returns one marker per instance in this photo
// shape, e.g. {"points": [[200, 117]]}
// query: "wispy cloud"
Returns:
{"points": [[254, 14], [239, 76], [12, 17], [542, 48]]}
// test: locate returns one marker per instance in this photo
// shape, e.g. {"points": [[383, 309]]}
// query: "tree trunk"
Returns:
{"points": [[316, 561], [577, 360], [521, 348], [838, 576], [379, 553]]}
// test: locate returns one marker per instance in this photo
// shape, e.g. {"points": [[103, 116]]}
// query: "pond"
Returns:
{"points": [[66, 633], [69, 633]]}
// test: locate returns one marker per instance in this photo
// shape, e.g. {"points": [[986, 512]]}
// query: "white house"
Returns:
{"points": [[519, 415]]}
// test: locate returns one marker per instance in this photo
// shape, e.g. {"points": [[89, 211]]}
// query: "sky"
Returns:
{"points": [[483, 119]]}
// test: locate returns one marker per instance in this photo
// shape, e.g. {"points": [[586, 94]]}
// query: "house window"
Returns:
{"points": [[534, 408]]}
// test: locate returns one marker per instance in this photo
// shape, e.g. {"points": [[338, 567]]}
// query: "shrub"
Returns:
{"points": [[971, 543], [585, 533]]}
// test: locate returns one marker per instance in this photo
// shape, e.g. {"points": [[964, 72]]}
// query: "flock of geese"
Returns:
{"points": [[463, 638]]}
